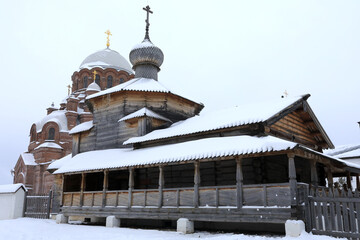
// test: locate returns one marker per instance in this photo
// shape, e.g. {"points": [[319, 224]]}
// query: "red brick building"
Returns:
{"points": [[49, 137]]}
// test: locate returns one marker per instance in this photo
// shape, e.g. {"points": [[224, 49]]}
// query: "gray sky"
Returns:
{"points": [[221, 53]]}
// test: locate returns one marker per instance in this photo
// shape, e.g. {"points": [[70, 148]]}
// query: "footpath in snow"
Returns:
{"points": [[40, 229]]}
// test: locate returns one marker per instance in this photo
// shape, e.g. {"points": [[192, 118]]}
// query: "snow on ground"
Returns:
{"points": [[40, 229]]}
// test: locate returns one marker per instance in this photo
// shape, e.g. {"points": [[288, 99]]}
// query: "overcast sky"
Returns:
{"points": [[221, 53]]}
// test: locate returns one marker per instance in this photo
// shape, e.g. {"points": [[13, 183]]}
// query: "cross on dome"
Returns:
{"points": [[108, 33], [147, 9]]}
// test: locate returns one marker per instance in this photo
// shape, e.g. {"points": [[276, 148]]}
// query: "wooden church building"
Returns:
{"points": [[148, 154]]}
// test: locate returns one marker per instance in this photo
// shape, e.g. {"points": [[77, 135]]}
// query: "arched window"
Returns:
{"points": [[121, 80], [97, 79], [109, 81], [51, 135], [85, 82]]}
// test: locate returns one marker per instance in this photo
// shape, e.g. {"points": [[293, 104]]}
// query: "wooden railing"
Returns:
{"points": [[334, 212], [266, 195]]}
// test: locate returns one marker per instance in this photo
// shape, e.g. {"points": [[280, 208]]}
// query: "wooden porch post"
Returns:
{"points": [[239, 183], [161, 185], [348, 180], [293, 184], [330, 177], [131, 186], [314, 177], [82, 189], [105, 187], [357, 182], [196, 183]]}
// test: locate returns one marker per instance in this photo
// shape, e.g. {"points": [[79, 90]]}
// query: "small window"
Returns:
{"points": [[109, 81], [51, 135], [85, 82], [121, 80], [97, 79]]}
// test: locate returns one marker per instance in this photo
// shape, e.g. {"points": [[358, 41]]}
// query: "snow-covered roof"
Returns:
{"points": [[144, 112], [186, 151], [106, 58], [339, 150], [93, 87], [49, 145], [82, 127], [350, 154], [11, 188], [225, 118], [136, 84], [28, 159], [58, 117], [56, 164]]}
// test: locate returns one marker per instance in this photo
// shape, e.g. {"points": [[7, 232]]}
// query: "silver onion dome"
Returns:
{"points": [[146, 59], [146, 53]]}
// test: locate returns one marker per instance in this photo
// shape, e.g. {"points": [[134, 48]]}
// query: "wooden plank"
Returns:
{"points": [[171, 198], [152, 198], [161, 185], [319, 214], [187, 197], [357, 207], [207, 197], [105, 188], [314, 177], [239, 184], [131, 186], [292, 180], [111, 198], [345, 213], [325, 213], [339, 226], [196, 183], [351, 213], [332, 211], [82, 188]]}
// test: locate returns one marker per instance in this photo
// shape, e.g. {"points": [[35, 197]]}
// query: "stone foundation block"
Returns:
{"points": [[112, 221], [185, 226], [294, 228], [61, 218]]}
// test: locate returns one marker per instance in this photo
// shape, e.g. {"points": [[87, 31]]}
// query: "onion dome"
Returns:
{"points": [[106, 58], [146, 53], [145, 57]]}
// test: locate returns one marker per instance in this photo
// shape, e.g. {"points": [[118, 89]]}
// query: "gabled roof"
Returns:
{"points": [[12, 188], [82, 127], [28, 159], [144, 112], [191, 150], [228, 118]]}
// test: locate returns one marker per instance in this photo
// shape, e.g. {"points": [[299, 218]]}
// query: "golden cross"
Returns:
{"points": [[94, 72], [69, 89], [108, 33]]}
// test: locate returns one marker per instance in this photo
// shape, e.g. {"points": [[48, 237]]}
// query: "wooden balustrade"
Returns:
{"points": [[266, 195]]}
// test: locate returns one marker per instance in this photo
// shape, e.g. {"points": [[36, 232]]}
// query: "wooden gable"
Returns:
{"points": [[299, 124]]}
